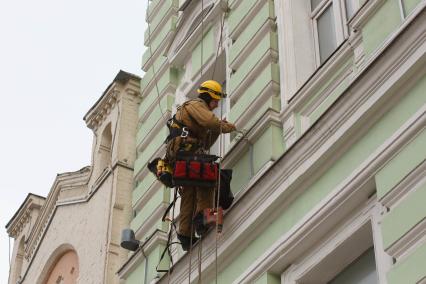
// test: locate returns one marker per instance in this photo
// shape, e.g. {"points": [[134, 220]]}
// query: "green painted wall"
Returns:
{"points": [[237, 15], [146, 154], [410, 270], [242, 172], [406, 160], [265, 45], [268, 278], [381, 25], [325, 184], [161, 196], [268, 147], [409, 5], [170, 26], [159, 17], [138, 275], [404, 216], [209, 50], [143, 187], [253, 27], [270, 73]]}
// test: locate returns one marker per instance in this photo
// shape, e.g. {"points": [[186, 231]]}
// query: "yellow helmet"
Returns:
{"points": [[213, 88]]}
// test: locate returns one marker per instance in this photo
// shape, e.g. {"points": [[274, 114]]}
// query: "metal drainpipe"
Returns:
{"points": [[145, 281]]}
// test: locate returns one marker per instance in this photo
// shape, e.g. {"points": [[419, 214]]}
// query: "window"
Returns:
{"points": [[329, 20], [362, 270], [310, 31]]}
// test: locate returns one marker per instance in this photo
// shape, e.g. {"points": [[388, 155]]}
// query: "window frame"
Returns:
{"points": [[364, 224]]}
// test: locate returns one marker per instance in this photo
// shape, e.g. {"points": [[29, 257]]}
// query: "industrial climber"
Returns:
{"points": [[197, 130]]}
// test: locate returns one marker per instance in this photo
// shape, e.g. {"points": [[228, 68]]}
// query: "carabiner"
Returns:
{"points": [[185, 132]]}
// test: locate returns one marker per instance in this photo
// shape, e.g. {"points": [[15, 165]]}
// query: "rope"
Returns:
{"points": [[200, 251], [153, 65], [172, 225], [222, 24], [190, 242], [202, 37]]}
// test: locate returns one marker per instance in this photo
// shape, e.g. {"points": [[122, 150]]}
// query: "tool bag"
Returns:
{"points": [[162, 171], [195, 170]]}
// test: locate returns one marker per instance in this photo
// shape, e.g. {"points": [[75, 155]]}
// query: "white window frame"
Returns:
{"points": [[364, 226], [299, 55]]}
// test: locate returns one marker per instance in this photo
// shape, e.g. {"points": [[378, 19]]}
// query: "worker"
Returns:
{"points": [[203, 128]]}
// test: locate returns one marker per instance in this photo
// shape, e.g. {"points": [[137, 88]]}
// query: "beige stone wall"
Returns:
{"points": [[86, 210], [82, 227]]}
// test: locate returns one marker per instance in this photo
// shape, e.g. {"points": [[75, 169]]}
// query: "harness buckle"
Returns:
{"points": [[185, 132]]}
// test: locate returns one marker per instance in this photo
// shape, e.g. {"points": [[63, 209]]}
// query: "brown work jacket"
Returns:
{"points": [[204, 126]]}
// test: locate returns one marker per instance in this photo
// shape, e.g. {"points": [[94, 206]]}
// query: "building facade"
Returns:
{"points": [[73, 235], [329, 164]]}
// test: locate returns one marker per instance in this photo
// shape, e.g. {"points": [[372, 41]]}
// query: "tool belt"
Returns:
{"points": [[195, 170]]}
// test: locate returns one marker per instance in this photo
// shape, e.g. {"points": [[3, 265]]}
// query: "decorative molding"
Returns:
{"points": [[151, 220], [32, 202], [348, 119], [408, 184], [170, 89], [160, 50], [265, 30], [182, 45], [364, 14], [270, 117], [270, 56], [154, 131], [154, 10], [171, 11], [409, 243], [151, 84], [358, 224], [240, 27], [146, 197], [289, 130], [271, 89]]}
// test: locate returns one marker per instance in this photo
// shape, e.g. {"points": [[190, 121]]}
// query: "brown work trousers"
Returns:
{"points": [[193, 201]]}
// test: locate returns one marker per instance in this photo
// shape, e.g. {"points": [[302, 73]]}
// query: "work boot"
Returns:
{"points": [[186, 241], [199, 225]]}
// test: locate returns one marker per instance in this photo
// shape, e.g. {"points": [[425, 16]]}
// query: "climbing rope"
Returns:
{"points": [[153, 65]]}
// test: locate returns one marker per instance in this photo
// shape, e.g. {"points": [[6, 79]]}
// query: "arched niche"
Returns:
{"points": [[62, 267]]}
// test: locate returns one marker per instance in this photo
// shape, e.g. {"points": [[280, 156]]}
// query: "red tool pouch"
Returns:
{"points": [[195, 170]]}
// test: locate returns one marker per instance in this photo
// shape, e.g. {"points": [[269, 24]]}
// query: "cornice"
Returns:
{"points": [[23, 215], [124, 84]]}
